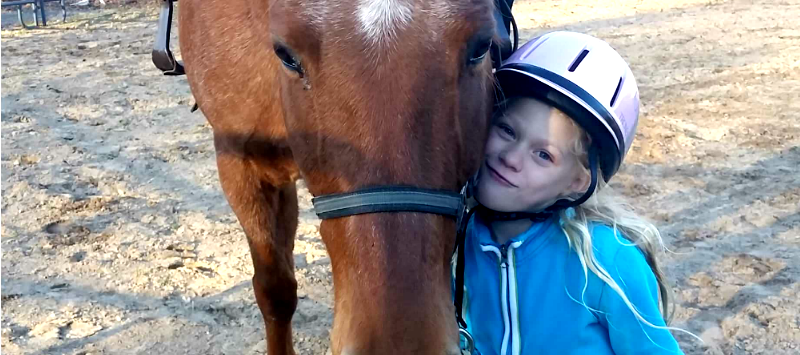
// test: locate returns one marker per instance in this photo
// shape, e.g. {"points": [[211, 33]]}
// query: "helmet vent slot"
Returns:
{"points": [[616, 92], [578, 60]]}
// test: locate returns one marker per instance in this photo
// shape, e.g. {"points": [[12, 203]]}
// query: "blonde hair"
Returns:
{"points": [[607, 208]]}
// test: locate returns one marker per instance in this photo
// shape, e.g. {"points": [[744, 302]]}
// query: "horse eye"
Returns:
{"points": [[288, 60], [479, 53]]}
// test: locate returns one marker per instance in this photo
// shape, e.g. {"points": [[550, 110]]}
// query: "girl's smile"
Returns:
{"points": [[498, 177]]}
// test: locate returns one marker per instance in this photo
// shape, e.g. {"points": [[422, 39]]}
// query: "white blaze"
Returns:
{"points": [[381, 19]]}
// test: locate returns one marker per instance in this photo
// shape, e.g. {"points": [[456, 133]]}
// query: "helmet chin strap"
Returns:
{"points": [[564, 204], [548, 212]]}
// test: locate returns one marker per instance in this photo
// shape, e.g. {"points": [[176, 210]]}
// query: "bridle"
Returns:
{"points": [[381, 199], [408, 199], [415, 199]]}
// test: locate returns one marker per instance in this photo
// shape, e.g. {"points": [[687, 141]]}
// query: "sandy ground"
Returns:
{"points": [[116, 237]]}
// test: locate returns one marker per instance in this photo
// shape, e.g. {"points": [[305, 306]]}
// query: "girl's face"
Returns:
{"points": [[529, 162]]}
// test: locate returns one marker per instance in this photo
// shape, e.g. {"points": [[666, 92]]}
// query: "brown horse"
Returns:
{"points": [[346, 94]]}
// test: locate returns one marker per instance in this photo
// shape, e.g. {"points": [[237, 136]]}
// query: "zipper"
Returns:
{"points": [[512, 304], [508, 296], [504, 298]]}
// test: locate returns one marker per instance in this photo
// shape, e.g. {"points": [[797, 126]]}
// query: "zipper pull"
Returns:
{"points": [[504, 255]]}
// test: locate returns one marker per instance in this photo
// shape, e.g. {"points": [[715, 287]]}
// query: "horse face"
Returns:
{"points": [[386, 92]]}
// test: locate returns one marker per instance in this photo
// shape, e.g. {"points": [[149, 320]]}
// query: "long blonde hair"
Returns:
{"points": [[607, 208]]}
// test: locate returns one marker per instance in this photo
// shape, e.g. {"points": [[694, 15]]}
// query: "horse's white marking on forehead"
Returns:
{"points": [[381, 19]]}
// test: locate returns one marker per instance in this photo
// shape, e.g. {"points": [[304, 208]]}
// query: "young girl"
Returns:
{"points": [[554, 263]]}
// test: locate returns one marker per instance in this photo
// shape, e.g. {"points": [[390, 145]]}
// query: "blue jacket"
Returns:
{"points": [[528, 296]]}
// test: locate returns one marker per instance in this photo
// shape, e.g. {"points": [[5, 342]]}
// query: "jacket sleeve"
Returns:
{"points": [[627, 333]]}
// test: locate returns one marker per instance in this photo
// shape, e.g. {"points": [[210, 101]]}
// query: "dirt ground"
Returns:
{"points": [[116, 237]]}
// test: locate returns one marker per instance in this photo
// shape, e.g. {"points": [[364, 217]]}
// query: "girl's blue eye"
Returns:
{"points": [[545, 156]]}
